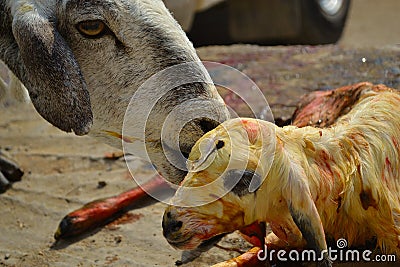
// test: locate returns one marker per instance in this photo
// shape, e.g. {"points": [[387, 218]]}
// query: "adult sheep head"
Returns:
{"points": [[82, 60]]}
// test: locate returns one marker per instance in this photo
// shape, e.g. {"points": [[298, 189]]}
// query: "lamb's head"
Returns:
{"points": [[228, 169], [83, 60]]}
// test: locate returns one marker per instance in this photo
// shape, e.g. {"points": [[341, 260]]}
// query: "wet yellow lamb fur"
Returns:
{"points": [[344, 179], [352, 170]]}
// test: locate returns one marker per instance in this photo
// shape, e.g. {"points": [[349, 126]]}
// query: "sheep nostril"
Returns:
{"points": [[207, 124], [185, 155]]}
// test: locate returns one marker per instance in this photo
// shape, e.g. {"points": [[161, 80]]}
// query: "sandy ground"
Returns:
{"points": [[62, 172]]}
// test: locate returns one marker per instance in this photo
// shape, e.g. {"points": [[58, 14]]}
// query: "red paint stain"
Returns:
{"points": [[388, 163], [252, 129], [388, 167], [359, 140], [396, 144], [124, 219], [323, 161]]}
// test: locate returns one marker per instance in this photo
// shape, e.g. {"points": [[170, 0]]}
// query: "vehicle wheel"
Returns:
{"points": [[323, 20], [211, 26]]}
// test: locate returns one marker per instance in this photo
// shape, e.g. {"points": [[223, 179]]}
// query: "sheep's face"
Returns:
{"points": [[227, 167], [119, 46], [111, 48]]}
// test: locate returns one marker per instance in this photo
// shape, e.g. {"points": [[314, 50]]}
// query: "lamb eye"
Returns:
{"points": [[220, 144], [92, 28]]}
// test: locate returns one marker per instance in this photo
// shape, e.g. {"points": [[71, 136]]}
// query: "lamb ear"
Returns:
{"points": [[304, 212], [206, 147], [54, 80]]}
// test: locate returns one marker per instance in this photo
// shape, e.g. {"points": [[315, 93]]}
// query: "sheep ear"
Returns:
{"points": [[303, 210], [54, 80]]}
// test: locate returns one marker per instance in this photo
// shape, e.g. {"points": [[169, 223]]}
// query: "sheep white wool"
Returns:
{"points": [[324, 183]]}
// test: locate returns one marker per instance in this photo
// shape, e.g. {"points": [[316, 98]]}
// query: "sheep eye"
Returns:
{"points": [[92, 28]]}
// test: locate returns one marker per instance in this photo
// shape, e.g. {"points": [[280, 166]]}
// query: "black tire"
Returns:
{"points": [[211, 27], [319, 26]]}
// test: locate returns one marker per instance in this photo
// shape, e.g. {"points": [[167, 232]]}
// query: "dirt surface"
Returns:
{"points": [[62, 171]]}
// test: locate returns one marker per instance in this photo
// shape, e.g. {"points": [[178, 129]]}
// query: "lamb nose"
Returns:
{"points": [[170, 224]]}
